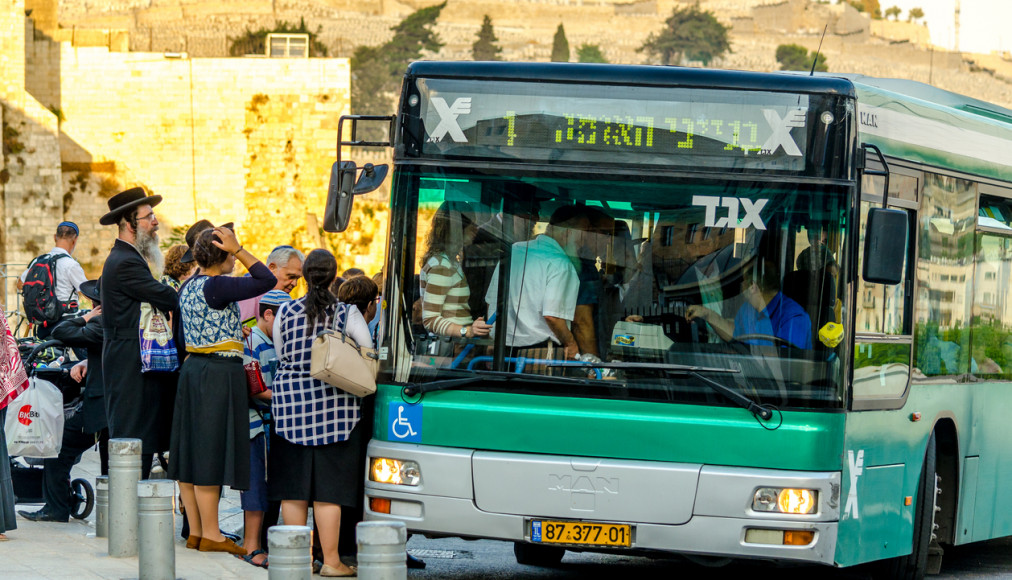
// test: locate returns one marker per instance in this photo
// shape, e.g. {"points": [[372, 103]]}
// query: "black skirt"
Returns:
{"points": [[210, 425], [330, 473]]}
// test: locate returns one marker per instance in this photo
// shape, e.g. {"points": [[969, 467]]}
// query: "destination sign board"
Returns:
{"points": [[559, 122]]}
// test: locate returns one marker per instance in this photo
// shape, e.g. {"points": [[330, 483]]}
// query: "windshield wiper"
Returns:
{"points": [[416, 388], [760, 411]]}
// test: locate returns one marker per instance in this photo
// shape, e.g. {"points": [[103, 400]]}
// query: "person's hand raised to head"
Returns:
{"points": [[225, 239]]}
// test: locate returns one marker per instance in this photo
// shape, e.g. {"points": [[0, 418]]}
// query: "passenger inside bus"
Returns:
{"points": [[444, 291], [544, 285], [588, 324], [767, 312]]}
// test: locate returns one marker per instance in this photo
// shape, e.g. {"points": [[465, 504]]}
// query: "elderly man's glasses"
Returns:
{"points": [[150, 216]]}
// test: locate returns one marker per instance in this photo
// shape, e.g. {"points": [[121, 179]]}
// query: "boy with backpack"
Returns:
{"points": [[52, 281]]}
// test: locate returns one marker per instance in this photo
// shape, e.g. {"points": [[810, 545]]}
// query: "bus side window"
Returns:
{"points": [[882, 365]]}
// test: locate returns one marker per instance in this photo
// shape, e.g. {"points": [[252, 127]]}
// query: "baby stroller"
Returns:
{"points": [[26, 473]]}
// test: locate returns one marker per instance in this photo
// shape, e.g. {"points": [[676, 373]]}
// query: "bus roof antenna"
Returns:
{"points": [[818, 50]]}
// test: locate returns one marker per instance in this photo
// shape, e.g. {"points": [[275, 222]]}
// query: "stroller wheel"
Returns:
{"points": [[83, 498]]}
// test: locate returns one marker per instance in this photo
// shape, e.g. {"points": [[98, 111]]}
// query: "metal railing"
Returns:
{"points": [[11, 302]]}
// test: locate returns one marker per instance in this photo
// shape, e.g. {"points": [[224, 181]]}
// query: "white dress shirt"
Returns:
{"points": [[543, 282], [69, 276]]}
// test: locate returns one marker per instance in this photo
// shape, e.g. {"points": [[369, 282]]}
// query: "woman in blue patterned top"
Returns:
{"points": [[315, 451], [210, 425]]}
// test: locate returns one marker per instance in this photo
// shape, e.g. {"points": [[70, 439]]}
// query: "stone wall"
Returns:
{"points": [[30, 184], [221, 139], [228, 139]]}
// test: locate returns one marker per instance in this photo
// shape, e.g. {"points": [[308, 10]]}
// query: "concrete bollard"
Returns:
{"points": [[381, 552], [102, 506], [124, 473], [291, 555], [156, 554]]}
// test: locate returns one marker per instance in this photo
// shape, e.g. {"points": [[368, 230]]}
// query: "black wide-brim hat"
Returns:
{"points": [[125, 202], [193, 232], [92, 290]]}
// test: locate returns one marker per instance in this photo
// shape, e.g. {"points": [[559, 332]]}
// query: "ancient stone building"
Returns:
{"points": [[227, 139]]}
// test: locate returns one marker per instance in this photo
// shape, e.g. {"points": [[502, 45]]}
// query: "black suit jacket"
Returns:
{"points": [[138, 405], [88, 335]]}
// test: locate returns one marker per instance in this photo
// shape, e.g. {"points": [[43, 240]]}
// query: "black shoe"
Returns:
{"points": [[234, 537], [43, 515], [415, 563]]}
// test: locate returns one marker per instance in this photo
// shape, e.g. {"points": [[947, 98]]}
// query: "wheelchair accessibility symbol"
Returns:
{"points": [[405, 422]]}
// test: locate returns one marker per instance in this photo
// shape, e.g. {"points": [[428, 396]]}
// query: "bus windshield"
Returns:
{"points": [[566, 276]]}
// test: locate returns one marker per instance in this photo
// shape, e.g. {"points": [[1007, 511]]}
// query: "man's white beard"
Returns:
{"points": [[147, 245]]}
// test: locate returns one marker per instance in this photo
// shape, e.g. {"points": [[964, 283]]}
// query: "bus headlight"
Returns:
{"points": [[785, 500], [394, 471]]}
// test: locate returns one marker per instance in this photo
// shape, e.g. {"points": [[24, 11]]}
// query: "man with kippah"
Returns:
{"points": [[68, 272]]}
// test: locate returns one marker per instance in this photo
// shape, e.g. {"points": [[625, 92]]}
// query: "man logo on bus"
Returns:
{"points": [[448, 119], [751, 209], [781, 136]]}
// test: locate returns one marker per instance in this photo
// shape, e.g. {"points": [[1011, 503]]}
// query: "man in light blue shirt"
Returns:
{"points": [[766, 311]]}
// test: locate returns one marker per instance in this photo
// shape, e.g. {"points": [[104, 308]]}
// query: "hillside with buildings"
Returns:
{"points": [[854, 42]]}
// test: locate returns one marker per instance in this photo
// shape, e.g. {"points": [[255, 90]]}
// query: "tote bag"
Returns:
{"points": [[34, 426], [339, 361], [158, 349]]}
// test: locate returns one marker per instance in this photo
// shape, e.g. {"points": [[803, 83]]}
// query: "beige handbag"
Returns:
{"points": [[339, 361]]}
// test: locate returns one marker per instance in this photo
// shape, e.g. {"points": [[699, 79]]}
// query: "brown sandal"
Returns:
{"points": [[193, 542]]}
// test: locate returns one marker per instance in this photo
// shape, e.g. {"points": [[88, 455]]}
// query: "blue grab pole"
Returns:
{"points": [[468, 348]]}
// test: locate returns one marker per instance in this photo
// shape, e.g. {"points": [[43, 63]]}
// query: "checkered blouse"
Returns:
{"points": [[308, 411]]}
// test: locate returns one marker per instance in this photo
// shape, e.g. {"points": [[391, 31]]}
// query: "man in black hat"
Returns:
{"points": [[139, 406], [81, 429]]}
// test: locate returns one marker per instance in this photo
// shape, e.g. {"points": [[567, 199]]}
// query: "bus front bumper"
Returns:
{"points": [[445, 505]]}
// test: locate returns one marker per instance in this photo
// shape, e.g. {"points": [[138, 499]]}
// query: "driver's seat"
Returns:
{"points": [[814, 291]]}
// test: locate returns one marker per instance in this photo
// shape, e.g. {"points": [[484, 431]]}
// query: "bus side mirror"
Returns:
{"points": [[883, 254], [343, 188]]}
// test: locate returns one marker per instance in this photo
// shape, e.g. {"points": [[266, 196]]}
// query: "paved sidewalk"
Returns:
{"points": [[71, 551]]}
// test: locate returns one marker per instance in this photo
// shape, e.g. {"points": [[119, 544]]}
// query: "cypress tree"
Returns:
{"points": [[560, 46], [485, 48]]}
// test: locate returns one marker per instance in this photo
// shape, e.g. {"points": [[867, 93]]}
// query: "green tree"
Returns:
{"points": [[893, 12], [797, 57], [689, 33], [255, 42], [915, 14], [376, 71], [590, 53], [485, 48], [560, 46]]}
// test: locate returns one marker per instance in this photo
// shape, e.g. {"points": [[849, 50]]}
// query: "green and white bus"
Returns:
{"points": [[870, 218]]}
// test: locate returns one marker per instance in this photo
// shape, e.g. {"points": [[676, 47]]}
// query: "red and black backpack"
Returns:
{"points": [[42, 306]]}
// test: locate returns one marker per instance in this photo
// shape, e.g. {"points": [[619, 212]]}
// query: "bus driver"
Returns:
{"points": [[766, 310]]}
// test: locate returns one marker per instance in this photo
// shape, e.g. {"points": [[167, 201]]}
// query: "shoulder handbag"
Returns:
{"points": [[254, 377], [158, 349], [339, 361]]}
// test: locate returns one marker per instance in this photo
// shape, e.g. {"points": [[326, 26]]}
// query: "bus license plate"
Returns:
{"points": [[581, 533]]}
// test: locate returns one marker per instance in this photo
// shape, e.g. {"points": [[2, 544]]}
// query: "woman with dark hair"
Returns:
{"points": [[315, 447], [445, 294], [210, 424]]}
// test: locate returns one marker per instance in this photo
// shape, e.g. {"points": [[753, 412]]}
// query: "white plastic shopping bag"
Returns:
{"points": [[34, 426]]}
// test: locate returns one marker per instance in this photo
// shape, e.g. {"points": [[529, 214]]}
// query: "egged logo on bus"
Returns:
{"points": [[752, 217], [448, 119]]}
